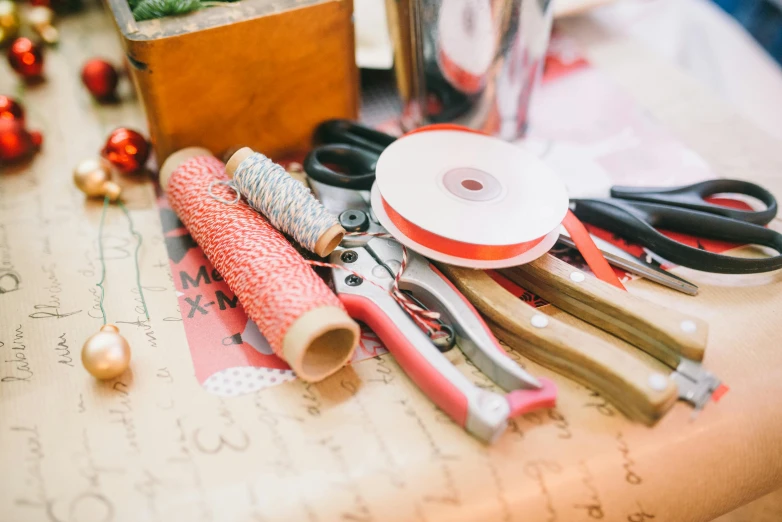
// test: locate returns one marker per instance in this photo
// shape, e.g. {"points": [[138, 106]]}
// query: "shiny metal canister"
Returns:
{"points": [[469, 62]]}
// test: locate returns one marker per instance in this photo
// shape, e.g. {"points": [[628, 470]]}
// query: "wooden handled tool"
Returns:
{"points": [[665, 334], [639, 391]]}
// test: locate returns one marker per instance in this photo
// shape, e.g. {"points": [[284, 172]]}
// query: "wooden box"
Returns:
{"points": [[261, 73]]}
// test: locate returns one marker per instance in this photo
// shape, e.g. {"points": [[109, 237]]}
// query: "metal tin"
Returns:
{"points": [[470, 62]]}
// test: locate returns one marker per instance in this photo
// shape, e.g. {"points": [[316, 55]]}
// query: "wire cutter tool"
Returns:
{"points": [[366, 268]]}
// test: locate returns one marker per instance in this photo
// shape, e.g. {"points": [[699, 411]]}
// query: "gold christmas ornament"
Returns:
{"points": [[112, 190], [40, 16], [49, 34], [89, 176], [93, 178], [106, 354], [41, 19], [9, 21]]}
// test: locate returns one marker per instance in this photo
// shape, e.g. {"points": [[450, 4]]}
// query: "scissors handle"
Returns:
{"points": [[356, 166], [351, 133], [693, 197], [637, 222]]}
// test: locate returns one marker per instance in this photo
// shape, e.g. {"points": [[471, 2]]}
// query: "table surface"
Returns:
{"points": [[364, 445]]}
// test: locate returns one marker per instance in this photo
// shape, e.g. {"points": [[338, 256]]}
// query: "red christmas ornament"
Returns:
{"points": [[58, 5], [26, 58], [100, 78], [16, 143], [127, 150], [11, 109]]}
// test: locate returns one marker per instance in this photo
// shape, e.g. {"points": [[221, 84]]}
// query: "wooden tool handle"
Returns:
{"points": [[637, 390], [661, 332]]}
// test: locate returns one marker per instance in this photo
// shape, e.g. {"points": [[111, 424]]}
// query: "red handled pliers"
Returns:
{"points": [[368, 299]]}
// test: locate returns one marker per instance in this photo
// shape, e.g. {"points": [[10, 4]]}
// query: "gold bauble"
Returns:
{"points": [[40, 16], [49, 34], [112, 190], [41, 19], [9, 21], [90, 176], [106, 354]]}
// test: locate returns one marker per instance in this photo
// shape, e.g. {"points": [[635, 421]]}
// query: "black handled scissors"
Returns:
{"points": [[346, 154], [635, 213]]}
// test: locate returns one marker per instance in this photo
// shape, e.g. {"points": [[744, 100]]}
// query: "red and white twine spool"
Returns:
{"points": [[275, 284]]}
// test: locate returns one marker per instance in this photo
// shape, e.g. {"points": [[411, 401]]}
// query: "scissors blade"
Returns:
{"points": [[626, 261]]}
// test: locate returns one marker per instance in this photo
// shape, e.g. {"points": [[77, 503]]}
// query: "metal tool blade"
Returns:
{"points": [[435, 293], [626, 261], [696, 385]]}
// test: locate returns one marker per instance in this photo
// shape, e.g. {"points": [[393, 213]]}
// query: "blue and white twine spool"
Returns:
{"points": [[288, 205]]}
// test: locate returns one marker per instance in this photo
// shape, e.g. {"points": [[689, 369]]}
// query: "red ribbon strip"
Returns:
{"points": [[589, 251], [453, 247]]}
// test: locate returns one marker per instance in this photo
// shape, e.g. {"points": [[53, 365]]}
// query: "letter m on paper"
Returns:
{"points": [[187, 281]]}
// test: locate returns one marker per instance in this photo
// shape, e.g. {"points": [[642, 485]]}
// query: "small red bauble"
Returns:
{"points": [[127, 150], [58, 5], [100, 78], [16, 143], [26, 58], [11, 109]]}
